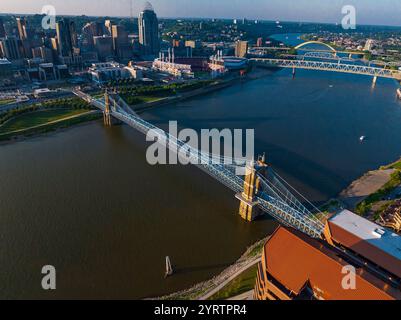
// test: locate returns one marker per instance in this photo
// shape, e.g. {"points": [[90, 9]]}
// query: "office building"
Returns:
{"points": [[104, 47], [2, 29], [11, 48], [91, 30], [241, 49], [22, 28], [148, 25], [66, 37]]}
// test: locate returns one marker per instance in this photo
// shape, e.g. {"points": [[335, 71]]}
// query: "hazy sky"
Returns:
{"points": [[385, 12]]}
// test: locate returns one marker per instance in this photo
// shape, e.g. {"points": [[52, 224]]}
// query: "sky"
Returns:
{"points": [[380, 12]]}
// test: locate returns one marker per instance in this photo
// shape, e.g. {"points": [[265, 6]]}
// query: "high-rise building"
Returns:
{"points": [[108, 24], [10, 47], [121, 45], [2, 29], [119, 35], [104, 47], [22, 28], [259, 42], [66, 37], [149, 31], [91, 30], [241, 49]]}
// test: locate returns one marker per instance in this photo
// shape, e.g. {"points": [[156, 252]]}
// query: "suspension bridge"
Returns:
{"points": [[261, 190]]}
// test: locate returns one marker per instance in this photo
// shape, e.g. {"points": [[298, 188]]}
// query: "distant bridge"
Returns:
{"points": [[329, 47], [330, 66], [260, 190], [315, 42]]}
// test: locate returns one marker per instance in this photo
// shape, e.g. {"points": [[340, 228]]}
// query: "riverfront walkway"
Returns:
{"points": [[229, 275]]}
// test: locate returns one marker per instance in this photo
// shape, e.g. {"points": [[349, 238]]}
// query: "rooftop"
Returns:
{"points": [[295, 260], [366, 230], [369, 240]]}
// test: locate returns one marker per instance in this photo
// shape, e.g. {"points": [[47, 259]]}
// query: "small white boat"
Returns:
{"points": [[399, 93], [362, 138]]}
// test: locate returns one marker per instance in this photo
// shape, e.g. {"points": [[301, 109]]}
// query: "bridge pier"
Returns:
{"points": [[106, 112], [108, 120], [249, 209]]}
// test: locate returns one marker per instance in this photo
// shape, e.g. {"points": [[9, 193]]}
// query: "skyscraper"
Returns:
{"points": [[149, 31], [10, 47], [91, 30], [22, 30], [66, 37], [2, 29]]}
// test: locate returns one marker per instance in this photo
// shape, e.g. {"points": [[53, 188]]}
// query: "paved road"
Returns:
{"points": [[232, 277]]}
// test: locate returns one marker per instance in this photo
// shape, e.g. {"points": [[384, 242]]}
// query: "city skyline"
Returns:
{"points": [[369, 12]]}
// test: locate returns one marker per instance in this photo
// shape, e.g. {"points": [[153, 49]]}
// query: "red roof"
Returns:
{"points": [[296, 260]]}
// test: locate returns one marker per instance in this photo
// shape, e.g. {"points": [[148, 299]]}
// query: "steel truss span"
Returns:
{"points": [[330, 66]]}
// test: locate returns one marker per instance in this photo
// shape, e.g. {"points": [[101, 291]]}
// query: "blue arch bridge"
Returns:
{"points": [[261, 190]]}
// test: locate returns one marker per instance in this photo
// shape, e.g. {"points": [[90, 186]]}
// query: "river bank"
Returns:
{"points": [[51, 126], [370, 194], [221, 84], [206, 289]]}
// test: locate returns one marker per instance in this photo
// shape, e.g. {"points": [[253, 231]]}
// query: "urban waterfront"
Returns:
{"points": [[110, 216]]}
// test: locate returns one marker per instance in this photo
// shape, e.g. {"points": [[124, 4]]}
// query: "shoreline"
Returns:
{"points": [[24, 134], [361, 188], [202, 290], [47, 128], [143, 107]]}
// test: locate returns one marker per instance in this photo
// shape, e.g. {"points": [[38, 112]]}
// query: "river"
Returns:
{"points": [[85, 200]]}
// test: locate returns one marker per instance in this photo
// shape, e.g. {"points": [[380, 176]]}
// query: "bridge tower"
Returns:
{"points": [[107, 112], [249, 209]]}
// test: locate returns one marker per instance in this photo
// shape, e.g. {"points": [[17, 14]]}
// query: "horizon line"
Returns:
{"points": [[199, 18]]}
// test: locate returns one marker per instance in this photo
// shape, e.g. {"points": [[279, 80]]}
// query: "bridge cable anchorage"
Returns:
{"points": [[260, 190]]}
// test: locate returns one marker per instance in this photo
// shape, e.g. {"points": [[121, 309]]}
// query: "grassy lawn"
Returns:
{"points": [[134, 100], [149, 99], [33, 119], [365, 206], [243, 283], [7, 101], [394, 165]]}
